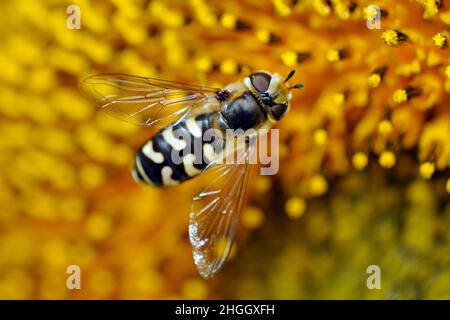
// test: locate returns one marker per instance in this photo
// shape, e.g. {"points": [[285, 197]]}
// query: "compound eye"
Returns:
{"points": [[260, 81], [278, 111]]}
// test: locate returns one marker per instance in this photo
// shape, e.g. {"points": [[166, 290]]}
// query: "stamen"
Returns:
{"points": [[292, 58], [393, 37], [405, 94], [377, 76], [440, 40], [335, 55]]}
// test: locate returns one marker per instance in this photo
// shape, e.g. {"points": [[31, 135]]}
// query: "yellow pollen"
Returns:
{"points": [[252, 217], [431, 8], [342, 10], [318, 185], [385, 128], [333, 55], [92, 175], [204, 64], [445, 17], [289, 58], [447, 72], [320, 137], [204, 13], [374, 80], [400, 96], [433, 59], [229, 66], [170, 18], [263, 184], [284, 150], [391, 37], [281, 7], [321, 7], [387, 159], [338, 99], [295, 207], [195, 289], [228, 20], [440, 40], [263, 35], [98, 226], [360, 160], [427, 169]]}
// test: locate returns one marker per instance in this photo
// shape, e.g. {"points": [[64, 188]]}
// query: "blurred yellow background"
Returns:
{"points": [[365, 150]]}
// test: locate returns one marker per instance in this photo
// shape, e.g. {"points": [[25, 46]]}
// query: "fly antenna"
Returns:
{"points": [[289, 76], [297, 86]]}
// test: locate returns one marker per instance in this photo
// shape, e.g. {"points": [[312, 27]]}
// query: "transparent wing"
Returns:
{"points": [[144, 101], [214, 215]]}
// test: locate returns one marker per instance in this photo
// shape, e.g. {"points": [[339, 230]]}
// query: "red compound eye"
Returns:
{"points": [[260, 81]]}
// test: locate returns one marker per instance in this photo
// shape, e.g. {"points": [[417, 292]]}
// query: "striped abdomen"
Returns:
{"points": [[177, 152]]}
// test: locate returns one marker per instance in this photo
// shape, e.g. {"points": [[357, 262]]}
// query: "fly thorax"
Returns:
{"points": [[243, 113]]}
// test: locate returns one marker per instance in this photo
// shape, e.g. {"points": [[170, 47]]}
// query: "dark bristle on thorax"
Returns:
{"points": [[222, 95]]}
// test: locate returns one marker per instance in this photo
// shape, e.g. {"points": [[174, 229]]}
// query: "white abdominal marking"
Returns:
{"points": [[134, 175], [175, 143], [193, 128], [166, 174], [149, 151], [141, 171], [188, 162]]}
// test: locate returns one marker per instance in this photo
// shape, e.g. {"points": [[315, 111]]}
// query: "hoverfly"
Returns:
{"points": [[259, 101]]}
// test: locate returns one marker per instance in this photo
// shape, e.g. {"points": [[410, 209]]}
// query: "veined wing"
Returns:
{"points": [[144, 101], [215, 213]]}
